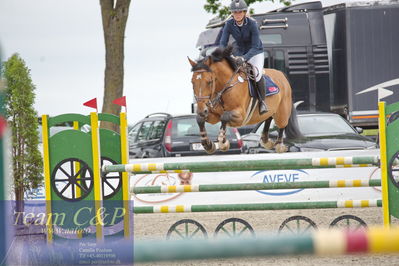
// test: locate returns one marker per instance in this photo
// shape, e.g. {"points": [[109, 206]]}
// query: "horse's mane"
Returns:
{"points": [[224, 53], [217, 56]]}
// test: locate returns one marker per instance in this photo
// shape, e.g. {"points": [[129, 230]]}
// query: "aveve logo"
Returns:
{"points": [[273, 176]]}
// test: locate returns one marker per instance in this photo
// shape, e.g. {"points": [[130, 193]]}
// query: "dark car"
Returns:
{"points": [[164, 135], [321, 132]]}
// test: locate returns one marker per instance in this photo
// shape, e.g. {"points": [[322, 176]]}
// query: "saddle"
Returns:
{"points": [[271, 87]]}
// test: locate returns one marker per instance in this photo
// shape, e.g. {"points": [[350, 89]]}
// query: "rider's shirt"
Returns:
{"points": [[246, 36]]}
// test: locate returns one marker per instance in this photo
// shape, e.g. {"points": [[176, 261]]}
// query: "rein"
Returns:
{"points": [[218, 98]]}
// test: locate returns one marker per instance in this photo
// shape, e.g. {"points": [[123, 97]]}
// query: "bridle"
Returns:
{"points": [[214, 101], [200, 97]]}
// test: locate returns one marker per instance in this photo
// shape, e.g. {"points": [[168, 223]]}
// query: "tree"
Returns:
{"points": [[222, 11], [114, 18], [27, 164]]}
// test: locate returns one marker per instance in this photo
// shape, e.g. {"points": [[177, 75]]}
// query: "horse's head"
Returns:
{"points": [[203, 81], [207, 78]]}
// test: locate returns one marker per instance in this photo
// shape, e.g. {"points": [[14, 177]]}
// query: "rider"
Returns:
{"points": [[249, 46]]}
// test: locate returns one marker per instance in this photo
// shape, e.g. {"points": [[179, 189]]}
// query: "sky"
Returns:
{"points": [[61, 42]]}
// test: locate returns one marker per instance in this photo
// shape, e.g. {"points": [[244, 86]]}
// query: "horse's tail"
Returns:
{"points": [[292, 129]]}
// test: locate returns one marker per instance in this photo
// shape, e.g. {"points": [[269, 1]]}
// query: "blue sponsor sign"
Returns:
{"points": [[273, 176]]}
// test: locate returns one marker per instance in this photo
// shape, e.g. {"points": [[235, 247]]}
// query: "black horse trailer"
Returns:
{"points": [[342, 58]]}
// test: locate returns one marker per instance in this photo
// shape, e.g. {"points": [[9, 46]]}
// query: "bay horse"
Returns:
{"points": [[222, 94]]}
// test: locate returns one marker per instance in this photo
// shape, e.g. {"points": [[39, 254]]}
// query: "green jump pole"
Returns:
{"points": [[259, 206], [247, 165], [256, 186]]}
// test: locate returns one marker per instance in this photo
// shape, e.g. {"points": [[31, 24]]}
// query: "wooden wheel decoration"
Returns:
{"points": [[234, 227], [186, 229], [72, 179], [393, 169], [297, 225], [348, 221], [111, 182]]}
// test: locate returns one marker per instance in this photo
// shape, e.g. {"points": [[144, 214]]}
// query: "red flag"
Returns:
{"points": [[120, 101], [92, 103]]}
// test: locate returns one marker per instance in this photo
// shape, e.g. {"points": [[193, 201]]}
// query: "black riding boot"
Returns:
{"points": [[261, 96]]}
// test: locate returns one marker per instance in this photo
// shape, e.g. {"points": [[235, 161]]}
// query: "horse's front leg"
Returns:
{"points": [[224, 143], [208, 145]]}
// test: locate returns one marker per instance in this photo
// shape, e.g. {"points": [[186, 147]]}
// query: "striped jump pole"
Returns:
{"points": [[321, 243], [250, 165], [257, 186], [259, 206]]}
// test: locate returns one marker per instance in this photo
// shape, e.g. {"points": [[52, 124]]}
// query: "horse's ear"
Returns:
{"points": [[193, 63]]}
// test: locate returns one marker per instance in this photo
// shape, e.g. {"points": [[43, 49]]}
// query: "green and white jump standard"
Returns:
{"points": [[389, 148], [78, 197]]}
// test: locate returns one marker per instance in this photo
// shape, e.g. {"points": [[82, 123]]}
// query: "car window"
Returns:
{"points": [[144, 131], [133, 132], [318, 125], [323, 124], [184, 127], [157, 130]]}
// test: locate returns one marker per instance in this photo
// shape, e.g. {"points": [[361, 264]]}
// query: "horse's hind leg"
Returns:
{"points": [[208, 145], [280, 147], [224, 143], [264, 139]]}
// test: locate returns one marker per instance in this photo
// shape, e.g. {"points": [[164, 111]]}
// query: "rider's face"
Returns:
{"points": [[239, 15]]}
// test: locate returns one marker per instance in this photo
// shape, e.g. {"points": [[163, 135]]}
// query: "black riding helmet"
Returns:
{"points": [[238, 5]]}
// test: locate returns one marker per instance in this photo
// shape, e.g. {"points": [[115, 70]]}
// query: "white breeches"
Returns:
{"points": [[257, 62]]}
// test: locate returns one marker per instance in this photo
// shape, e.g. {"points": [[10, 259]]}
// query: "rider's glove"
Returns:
{"points": [[240, 60]]}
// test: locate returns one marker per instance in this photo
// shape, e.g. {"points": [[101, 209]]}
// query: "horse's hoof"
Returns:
{"points": [[268, 145], [224, 146], [210, 149], [280, 148]]}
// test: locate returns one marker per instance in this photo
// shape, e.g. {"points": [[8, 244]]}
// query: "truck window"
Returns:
{"points": [[267, 61], [279, 62], [268, 39]]}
